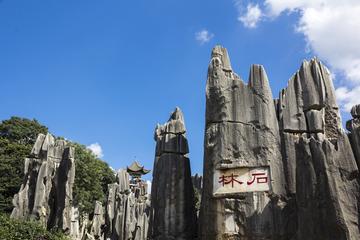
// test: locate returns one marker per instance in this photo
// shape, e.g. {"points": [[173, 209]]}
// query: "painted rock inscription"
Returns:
{"points": [[243, 179]]}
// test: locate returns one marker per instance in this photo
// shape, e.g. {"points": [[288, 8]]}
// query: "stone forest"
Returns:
{"points": [[274, 168]]}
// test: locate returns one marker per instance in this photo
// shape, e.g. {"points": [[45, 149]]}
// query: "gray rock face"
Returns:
{"points": [[353, 126], [241, 131], [321, 172], [327, 190], [355, 111], [75, 231], [46, 194], [127, 210], [314, 190], [98, 221], [172, 194], [197, 182]]}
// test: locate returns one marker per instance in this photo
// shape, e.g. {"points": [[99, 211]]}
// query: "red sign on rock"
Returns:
{"points": [[237, 180]]}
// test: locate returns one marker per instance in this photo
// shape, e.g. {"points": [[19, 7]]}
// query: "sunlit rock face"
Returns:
{"points": [[241, 131], [46, 193], [294, 143], [127, 210], [172, 195], [321, 171]]}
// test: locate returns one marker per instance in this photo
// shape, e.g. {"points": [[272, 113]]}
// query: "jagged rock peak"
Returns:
{"points": [[355, 111], [177, 114], [308, 103], [220, 57], [170, 136], [123, 180], [175, 124], [258, 80], [44, 142], [230, 99]]}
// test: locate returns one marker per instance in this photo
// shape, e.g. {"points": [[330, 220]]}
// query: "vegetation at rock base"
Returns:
{"points": [[17, 137], [11, 229]]}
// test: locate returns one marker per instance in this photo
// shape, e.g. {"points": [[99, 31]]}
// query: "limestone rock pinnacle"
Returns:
{"points": [[46, 194], [172, 194], [241, 133]]}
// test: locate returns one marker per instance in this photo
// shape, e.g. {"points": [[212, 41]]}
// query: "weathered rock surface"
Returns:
{"points": [[98, 222], [353, 126], [172, 194], [327, 190], [197, 182], [321, 172], [46, 193], [314, 190], [75, 230], [127, 210], [241, 131]]}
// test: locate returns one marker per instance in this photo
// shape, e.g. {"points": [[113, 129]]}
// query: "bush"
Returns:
{"points": [[11, 229]]}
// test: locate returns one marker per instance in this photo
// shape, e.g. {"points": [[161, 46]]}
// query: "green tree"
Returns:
{"points": [[17, 136], [92, 177], [21, 130], [11, 229]]}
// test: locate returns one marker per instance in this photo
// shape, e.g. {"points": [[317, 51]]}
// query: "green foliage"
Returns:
{"points": [[17, 135], [21, 130], [91, 179], [11, 229]]}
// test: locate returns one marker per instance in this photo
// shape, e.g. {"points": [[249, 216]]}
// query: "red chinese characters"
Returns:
{"points": [[229, 180], [258, 178]]}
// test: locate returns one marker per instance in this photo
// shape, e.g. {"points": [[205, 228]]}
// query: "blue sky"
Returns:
{"points": [[107, 71]]}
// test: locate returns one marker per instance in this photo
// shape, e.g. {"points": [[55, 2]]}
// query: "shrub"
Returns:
{"points": [[11, 229]]}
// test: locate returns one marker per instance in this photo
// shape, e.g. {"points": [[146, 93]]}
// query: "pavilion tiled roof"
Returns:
{"points": [[136, 168]]}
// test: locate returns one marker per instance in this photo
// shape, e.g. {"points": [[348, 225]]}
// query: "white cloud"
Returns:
{"points": [[96, 149], [252, 16], [203, 36], [331, 29], [348, 97]]}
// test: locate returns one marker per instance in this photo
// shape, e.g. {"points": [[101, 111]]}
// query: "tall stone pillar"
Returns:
{"points": [[46, 193], [172, 195], [243, 171]]}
